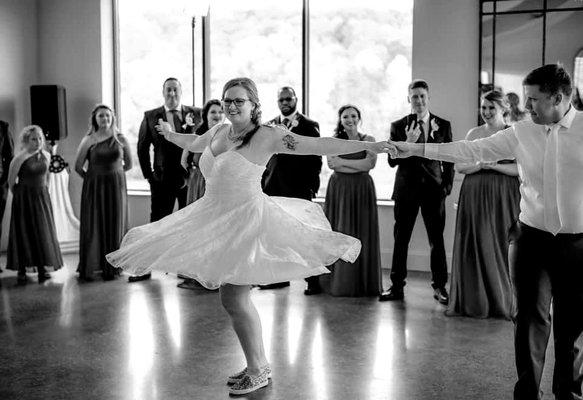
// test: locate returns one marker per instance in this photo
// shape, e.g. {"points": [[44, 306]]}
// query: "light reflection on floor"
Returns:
{"points": [[150, 340]]}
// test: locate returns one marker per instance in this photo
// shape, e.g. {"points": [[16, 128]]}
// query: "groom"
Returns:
{"points": [[165, 175]]}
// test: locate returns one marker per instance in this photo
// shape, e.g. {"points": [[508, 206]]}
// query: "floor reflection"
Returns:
{"points": [[173, 316], [141, 346], [150, 341]]}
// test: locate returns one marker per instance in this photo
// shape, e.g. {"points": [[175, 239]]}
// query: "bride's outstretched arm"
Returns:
{"points": [[189, 141], [289, 143]]}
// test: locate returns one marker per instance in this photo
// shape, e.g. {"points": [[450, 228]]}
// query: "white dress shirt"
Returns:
{"points": [[170, 116], [290, 117], [550, 166]]}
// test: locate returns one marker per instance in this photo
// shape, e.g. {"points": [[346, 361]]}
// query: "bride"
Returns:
{"points": [[235, 235]]}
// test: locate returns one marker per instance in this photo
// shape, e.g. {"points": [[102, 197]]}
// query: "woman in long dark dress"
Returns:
{"points": [[488, 207], [33, 239], [351, 208], [102, 159]]}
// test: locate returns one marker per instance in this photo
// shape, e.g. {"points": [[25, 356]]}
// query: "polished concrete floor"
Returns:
{"points": [[150, 340]]}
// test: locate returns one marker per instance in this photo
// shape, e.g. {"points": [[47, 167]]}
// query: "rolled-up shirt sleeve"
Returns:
{"points": [[500, 146]]}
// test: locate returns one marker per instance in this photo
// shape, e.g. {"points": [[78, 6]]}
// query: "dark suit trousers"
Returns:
{"points": [[163, 197], [548, 270], [3, 197], [432, 207]]}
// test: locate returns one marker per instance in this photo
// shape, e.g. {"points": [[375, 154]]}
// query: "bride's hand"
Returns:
{"points": [[164, 128], [384, 147]]}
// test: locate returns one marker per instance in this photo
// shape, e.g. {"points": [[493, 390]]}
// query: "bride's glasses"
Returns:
{"points": [[238, 102]]}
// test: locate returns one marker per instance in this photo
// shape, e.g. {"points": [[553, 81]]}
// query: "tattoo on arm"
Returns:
{"points": [[289, 142]]}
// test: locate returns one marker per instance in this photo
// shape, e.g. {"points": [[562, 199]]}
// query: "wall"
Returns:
{"points": [[70, 55], [18, 69]]}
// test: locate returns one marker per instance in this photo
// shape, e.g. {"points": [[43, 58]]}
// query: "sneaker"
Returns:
{"points": [[250, 383], [231, 380]]}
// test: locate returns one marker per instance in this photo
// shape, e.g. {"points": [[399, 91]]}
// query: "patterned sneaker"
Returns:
{"points": [[250, 383], [231, 380]]}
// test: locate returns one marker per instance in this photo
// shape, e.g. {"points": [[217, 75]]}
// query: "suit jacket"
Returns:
{"points": [[6, 151], [417, 173], [166, 167], [290, 175]]}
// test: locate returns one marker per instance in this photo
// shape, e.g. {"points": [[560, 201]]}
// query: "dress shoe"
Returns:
{"points": [[277, 285], [139, 278], [190, 284], [21, 280], [312, 290], [43, 276], [440, 294], [392, 294]]}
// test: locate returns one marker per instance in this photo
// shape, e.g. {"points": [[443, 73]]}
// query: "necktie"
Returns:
{"points": [[286, 122], [421, 138], [176, 120], [551, 212]]}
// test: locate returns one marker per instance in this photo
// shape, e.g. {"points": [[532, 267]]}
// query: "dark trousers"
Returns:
{"points": [[3, 196], [163, 197], [432, 208], [548, 270]]}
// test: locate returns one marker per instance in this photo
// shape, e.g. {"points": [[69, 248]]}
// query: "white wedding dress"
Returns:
{"points": [[236, 234]]}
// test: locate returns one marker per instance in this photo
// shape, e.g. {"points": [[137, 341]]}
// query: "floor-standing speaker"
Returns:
{"points": [[48, 106]]}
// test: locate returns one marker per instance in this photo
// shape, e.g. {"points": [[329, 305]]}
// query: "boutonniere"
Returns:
{"points": [[189, 120], [294, 123], [434, 127]]}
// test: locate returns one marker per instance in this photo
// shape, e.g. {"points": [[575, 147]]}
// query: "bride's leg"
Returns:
{"points": [[237, 302]]}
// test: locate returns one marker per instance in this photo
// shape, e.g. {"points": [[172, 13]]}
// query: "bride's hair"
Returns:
{"points": [[252, 92]]}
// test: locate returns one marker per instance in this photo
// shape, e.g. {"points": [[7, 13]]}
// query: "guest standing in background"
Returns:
{"points": [[33, 239], [514, 113], [488, 207], [420, 184], [290, 175], [6, 155], [102, 159], [212, 114], [351, 208], [165, 175]]}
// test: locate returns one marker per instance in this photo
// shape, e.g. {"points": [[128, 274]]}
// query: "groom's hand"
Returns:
{"points": [[403, 149], [164, 128]]}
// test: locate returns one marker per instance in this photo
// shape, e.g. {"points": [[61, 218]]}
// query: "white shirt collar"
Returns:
{"points": [[566, 121], [425, 119], [178, 108]]}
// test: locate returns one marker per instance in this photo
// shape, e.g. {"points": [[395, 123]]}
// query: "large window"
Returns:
{"points": [[520, 35], [358, 54], [154, 44]]}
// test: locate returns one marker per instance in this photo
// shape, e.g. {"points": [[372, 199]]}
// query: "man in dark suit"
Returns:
{"points": [[420, 184], [166, 176], [293, 176], [6, 155]]}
